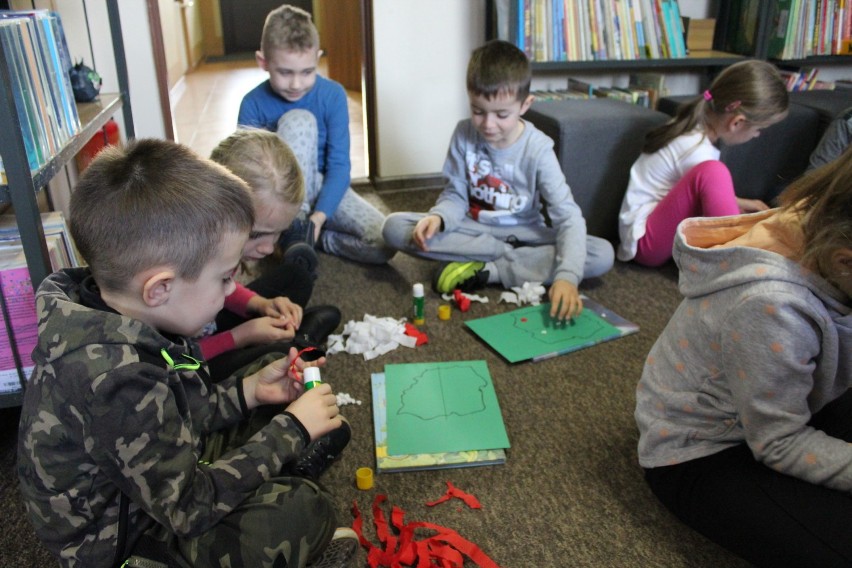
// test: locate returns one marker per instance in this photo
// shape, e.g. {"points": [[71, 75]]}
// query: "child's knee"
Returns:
{"points": [[600, 257], [396, 230], [712, 171]]}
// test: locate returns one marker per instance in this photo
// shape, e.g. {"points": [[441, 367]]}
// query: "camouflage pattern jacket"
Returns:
{"points": [[105, 415]]}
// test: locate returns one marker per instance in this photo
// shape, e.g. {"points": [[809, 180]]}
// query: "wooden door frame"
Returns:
{"points": [[369, 94], [161, 68]]}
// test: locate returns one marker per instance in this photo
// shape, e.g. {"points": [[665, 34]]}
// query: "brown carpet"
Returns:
{"points": [[571, 492]]}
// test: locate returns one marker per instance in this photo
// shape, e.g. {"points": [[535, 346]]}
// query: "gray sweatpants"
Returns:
{"points": [[532, 261], [354, 231]]}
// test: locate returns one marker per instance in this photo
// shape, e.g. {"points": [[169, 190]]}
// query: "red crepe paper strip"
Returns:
{"points": [[453, 491], [294, 372], [421, 337], [444, 549]]}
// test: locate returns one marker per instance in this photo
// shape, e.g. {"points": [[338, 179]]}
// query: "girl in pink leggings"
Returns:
{"points": [[679, 174]]}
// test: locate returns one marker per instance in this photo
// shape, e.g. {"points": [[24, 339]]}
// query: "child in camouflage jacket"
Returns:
{"points": [[125, 446]]}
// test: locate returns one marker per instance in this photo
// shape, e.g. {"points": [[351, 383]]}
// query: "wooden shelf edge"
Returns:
{"points": [[695, 59]]}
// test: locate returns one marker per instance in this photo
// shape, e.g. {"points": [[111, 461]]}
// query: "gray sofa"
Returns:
{"points": [[596, 142]]}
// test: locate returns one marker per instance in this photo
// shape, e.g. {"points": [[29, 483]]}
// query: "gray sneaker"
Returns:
{"points": [[341, 552]]}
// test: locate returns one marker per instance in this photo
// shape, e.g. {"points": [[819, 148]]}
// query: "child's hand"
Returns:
{"points": [[317, 410], [276, 383], [257, 331], [280, 307], [751, 205], [425, 229], [565, 300], [318, 218]]}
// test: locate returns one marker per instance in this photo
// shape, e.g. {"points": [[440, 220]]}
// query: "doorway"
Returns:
{"points": [[242, 22]]}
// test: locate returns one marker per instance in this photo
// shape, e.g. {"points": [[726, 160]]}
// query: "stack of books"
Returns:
{"points": [[19, 332], [437, 415], [39, 63]]}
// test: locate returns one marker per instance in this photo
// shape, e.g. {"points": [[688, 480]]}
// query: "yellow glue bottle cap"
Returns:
{"points": [[364, 478]]}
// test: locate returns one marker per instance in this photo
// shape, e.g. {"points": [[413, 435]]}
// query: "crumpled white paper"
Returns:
{"points": [[371, 337], [529, 293], [471, 297]]}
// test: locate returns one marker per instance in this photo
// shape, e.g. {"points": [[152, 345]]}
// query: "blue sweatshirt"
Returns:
{"points": [[262, 107]]}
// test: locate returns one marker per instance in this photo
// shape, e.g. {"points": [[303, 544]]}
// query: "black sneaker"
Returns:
{"points": [[317, 323], [304, 255], [341, 552], [301, 230], [321, 453], [466, 276]]}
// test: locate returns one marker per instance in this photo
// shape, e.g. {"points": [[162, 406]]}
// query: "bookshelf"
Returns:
{"points": [[23, 185], [501, 14]]}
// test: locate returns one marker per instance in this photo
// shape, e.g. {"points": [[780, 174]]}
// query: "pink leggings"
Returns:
{"points": [[706, 190]]}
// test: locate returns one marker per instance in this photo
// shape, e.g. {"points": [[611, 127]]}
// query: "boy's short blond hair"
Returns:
{"points": [[498, 68], [265, 162], [154, 203], [288, 27]]}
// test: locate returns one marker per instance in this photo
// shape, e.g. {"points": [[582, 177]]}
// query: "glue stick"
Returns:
{"points": [[417, 291], [312, 378]]}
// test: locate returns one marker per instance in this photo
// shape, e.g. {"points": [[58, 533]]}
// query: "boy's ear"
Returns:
{"points": [[157, 287], [261, 60], [525, 106]]}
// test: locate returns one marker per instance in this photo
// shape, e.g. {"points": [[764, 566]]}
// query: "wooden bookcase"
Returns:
{"points": [[23, 185]]}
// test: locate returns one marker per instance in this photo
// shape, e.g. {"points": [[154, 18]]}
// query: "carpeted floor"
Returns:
{"points": [[570, 493]]}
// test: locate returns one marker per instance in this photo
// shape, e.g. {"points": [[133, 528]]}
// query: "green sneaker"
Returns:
{"points": [[466, 276]]}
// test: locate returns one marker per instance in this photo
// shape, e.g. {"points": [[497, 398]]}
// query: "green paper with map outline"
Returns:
{"points": [[530, 332], [442, 407], [387, 463]]}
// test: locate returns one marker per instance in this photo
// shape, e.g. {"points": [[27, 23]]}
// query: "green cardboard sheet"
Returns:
{"points": [[442, 407], [530, 333]]}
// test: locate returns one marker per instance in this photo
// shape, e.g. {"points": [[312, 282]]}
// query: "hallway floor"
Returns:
{"points": [[206, 111]]}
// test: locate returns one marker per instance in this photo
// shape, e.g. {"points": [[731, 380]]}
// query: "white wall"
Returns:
{"points": [[144, 95], [421, 49]]}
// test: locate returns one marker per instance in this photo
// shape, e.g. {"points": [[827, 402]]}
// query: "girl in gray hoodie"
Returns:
{"points": [[744, 408]]}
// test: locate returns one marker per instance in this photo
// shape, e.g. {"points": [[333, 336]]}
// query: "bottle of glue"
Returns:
{"points": [[311, 378], [417, 292]]}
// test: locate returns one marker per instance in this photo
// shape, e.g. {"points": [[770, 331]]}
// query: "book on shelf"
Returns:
{"points": [[653, 83], [39, 63], [413, 376], [18, 334]]}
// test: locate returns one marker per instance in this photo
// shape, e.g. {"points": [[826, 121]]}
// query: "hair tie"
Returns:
{"points": [[733, 106], [707, 95]]}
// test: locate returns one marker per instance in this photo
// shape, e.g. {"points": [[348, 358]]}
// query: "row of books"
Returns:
{"points": [[587, 30], [804, 80], [802, 28], [644, 89], [39, 63], [17, 298]]}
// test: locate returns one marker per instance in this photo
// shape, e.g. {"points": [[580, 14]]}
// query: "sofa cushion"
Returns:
{"points": [[596, 142]]}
